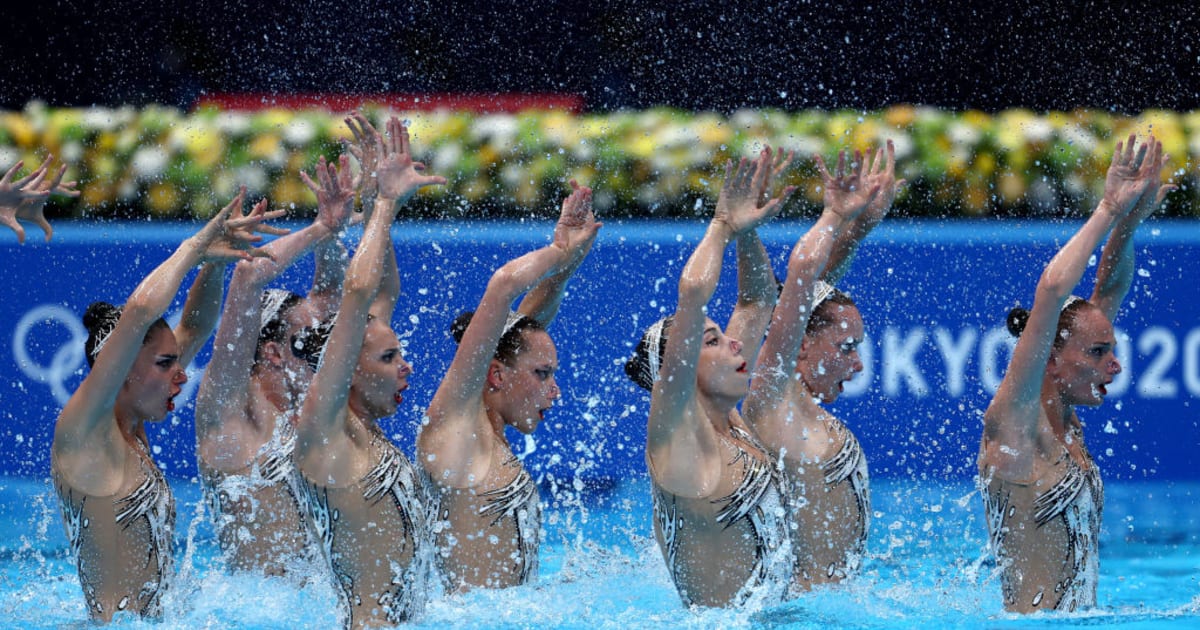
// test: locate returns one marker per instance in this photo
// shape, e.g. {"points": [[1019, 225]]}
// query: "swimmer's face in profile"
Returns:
{"points": [[381, 376], [829, 354], [528, 386], [1085, 363], [722, 371], [155, 378]]}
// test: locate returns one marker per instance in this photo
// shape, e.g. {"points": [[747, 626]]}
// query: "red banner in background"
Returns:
{"points": [[477, 103]]}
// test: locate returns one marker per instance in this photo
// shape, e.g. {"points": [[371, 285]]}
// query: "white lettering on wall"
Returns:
{"points": [[1191, 362], [955, 353], [993, 363], [1155, 383], [900, 362]]}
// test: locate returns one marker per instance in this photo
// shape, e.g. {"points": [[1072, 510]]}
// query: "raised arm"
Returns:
{"points": [[25, 199], [1010, 423], [364, 150], [223, 239], [223, 391], [882, 172], [543, 301], [672, 423], [457, 438], [1114, 276], [847, 194], [758, 290], [398, 179]]}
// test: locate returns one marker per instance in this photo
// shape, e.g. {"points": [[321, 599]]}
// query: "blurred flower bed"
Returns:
{"points": [[161, 162]]}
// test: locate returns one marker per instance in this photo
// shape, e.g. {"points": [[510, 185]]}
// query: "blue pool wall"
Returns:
{"points": [[933, 296]]}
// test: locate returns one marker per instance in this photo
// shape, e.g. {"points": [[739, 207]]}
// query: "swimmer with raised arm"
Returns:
{"points": [[1042, 491], [24, 199], [247, 404], [719, 512], [117, 507], [486, 505], [362, 496], [809, 354]]}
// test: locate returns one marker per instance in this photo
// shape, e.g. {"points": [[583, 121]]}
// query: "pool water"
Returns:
{"points": [[927, 567]]}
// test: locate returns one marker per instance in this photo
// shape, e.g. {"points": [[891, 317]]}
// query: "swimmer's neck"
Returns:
{"points": [[272, 386]]}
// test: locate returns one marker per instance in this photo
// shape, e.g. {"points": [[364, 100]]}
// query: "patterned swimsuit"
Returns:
{"points": [[1073, 504], [124, 547], [262, 494], [510, 512], [756, 501], [374, 536]]}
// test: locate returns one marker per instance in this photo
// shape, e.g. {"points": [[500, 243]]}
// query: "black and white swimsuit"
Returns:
{"points": [[242, 504], [511, 511], [361, 526], [1074, 503], [757, 501], [850, 465], [124, 547]]}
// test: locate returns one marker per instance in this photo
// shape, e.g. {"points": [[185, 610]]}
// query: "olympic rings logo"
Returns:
{"points": [[67, 360]]}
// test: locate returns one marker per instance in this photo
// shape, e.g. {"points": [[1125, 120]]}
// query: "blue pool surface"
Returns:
{"points": [[927, 567]]}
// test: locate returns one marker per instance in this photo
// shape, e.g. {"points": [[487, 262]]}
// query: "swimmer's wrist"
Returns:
{"points": [[1107, 207]]}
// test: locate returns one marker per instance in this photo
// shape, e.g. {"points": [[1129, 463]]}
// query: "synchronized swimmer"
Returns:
{"points": [[759, 493]]}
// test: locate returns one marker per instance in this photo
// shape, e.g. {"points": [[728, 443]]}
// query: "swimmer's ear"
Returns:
{"points": [[495, 375], [804, 347], [272, 352]]}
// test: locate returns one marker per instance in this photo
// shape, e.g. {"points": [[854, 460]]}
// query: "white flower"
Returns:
{"points": [[8, 157], [100, 119], [233, 123], [496, 128], [1038, 130], [804, 146], [149, 162], [254, 178], [71, 151], [1079, 137], [901, 141], [446, 157], [964, 135], [299, 132]]}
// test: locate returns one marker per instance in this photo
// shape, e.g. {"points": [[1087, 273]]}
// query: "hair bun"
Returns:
{"points": [[459, 327], [99, 313], [1016, 320]]}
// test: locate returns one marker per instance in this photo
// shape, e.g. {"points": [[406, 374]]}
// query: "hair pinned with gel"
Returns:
{"points": [[643, 367], [827, 302], [276, 303], [1018, 318], [512, 339], [100, 320]]}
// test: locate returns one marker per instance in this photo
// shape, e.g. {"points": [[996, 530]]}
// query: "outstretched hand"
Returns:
{"points": [[25, 199], [577, 226], [881, 171], [398, 176], [849, 189], [1131, 174], [365, 152], [738, 205], [335, 193], [1156, 191], [770, 168], [230, 234]]}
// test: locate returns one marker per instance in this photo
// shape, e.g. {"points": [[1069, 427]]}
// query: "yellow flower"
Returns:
{"points": [[19, 127], [900, 115], [163, 198]]}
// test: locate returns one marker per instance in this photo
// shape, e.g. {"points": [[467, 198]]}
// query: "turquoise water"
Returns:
{"points": [[927, 567]]}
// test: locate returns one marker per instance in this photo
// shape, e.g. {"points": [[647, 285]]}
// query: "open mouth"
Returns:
{"points": [[742, 369]]}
